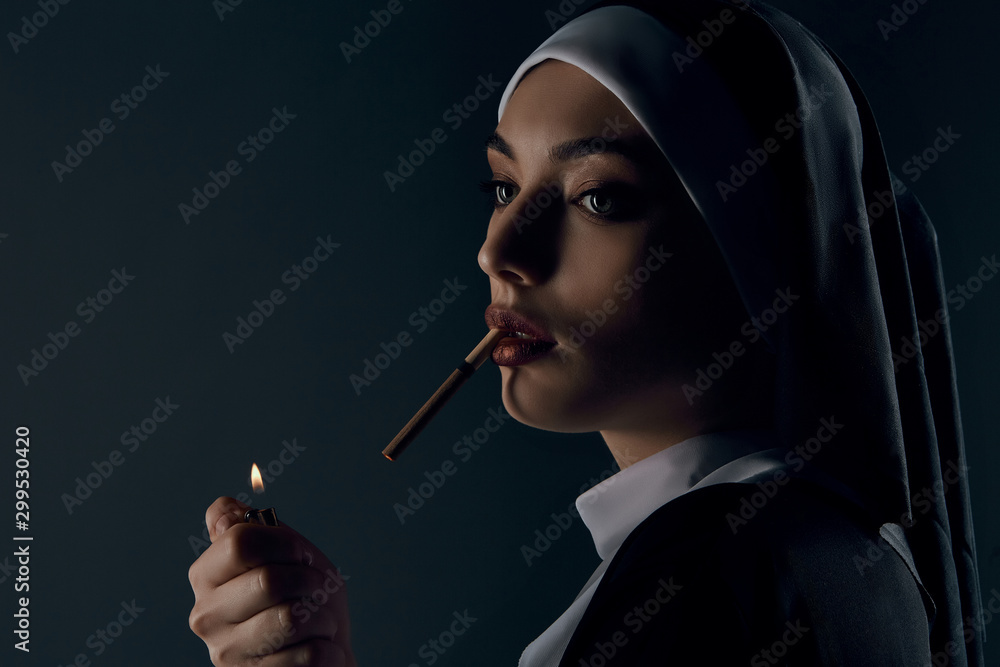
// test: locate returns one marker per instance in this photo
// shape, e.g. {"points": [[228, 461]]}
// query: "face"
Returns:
{"points": [[596, 254]]}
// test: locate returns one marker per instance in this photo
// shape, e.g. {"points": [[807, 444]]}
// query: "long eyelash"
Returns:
{"points": [[489, 188], [620, 196]]}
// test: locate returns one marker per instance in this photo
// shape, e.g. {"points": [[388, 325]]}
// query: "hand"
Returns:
{"points": [[265, 596]]}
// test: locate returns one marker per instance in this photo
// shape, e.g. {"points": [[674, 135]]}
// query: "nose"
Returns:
{"points": [[521, 244]]}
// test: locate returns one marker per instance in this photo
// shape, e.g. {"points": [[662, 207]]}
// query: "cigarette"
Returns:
{"points": [[424, 415]]}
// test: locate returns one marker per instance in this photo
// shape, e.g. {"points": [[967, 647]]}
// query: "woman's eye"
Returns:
{"points": [[598, 202], [500, 193], [505, 193]]}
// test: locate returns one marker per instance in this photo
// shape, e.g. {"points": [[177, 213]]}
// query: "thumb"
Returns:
{"points": [[222, 514]]}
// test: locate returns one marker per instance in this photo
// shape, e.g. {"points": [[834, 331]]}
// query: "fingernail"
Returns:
{"points": [[223, 524]]}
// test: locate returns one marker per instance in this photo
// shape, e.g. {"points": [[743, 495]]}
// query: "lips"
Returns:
{"points": [[525, 341]]}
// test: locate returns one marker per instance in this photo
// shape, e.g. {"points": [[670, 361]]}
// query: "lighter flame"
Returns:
{"points": [[255, 480]]}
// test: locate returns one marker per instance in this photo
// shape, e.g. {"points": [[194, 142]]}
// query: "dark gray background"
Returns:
{"points": [[136, 535]]}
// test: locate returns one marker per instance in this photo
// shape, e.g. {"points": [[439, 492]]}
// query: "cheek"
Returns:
{"points": [[638, 325], [626, 328], [615, 325], [595, 262]]}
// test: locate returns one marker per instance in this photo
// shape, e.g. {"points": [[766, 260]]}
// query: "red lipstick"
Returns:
{"points": [[523, 342]]}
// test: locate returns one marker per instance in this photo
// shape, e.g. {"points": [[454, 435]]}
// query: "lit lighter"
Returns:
{"points": [[264, 517]]}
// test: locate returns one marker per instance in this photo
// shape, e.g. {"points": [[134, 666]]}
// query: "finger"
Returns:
{"points": [[245, 546], [223, 608], [222, 514], [284, 625], [317, 605], [252, 592], [312, 653]]}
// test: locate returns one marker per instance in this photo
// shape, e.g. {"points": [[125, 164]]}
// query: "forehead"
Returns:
{"points": [[557, 90], [560, 109], [561, 113]]}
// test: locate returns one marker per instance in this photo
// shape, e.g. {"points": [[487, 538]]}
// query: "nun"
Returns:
{"points": [[699, 251]]}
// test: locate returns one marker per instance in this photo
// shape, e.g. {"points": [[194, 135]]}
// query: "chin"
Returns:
{"points": [[582, 403], [550, 408]]}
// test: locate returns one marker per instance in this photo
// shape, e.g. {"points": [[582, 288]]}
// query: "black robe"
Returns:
{"points": [[726, 575]]}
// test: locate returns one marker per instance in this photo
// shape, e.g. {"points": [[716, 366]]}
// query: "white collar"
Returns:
{"points": [[612, 509]]}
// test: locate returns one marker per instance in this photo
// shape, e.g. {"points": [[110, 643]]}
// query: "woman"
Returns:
{"points": [[698, 252]]}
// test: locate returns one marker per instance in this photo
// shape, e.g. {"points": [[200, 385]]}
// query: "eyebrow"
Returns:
{"points": [[578, 148], [497, 143]]}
